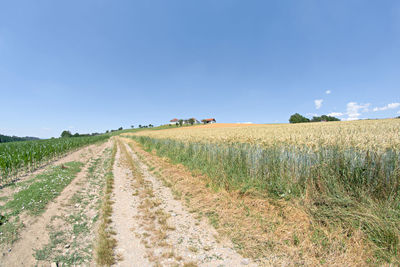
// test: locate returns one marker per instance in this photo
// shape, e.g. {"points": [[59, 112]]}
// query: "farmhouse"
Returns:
{"points": [[173, 121], [206, 121]]}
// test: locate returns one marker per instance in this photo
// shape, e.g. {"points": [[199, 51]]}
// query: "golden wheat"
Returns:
{"points": [[376, 135]]}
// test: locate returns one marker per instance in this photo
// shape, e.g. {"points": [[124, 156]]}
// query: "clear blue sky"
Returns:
{"points": [[95, 65]]}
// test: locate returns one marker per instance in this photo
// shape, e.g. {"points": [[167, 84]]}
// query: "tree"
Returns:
{"points": [[297, 118], [315, 119], [66, 134], [324, 118], [180, 122], [140, 126], [151, 125], [132, 126], [191, 121], [330, 118], [120, 128]]}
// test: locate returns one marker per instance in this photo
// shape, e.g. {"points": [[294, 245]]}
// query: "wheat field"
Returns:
{"points": [[377, 135], [339, 170]]}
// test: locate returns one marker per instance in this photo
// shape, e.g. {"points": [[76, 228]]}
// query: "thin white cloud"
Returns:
{"points": [[328, 92], [388, 106], [398, 112], [393, 105], [354, 110], [336, 114], [318, 103]]}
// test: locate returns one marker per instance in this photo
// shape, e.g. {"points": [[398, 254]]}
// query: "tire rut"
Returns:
{"points": [[36, 234], [172, 235], [129, 250]]}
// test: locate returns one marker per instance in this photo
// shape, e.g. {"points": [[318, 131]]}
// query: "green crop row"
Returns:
{"points": [[17, 157]]}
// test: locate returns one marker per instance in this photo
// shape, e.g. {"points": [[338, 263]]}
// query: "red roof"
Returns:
{"points": [[210, 119], [174, 120]]}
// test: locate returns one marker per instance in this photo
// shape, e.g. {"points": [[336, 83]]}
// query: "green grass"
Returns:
{"points": [[161, 127], [9, 230], [49, 185], [50, 251], [350, 188], [34, 197], [213, 218], [72, 244], [56, 237]]}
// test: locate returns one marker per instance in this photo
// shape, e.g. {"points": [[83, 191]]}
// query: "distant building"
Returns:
{"points": [[173, 121], [208, 121]]}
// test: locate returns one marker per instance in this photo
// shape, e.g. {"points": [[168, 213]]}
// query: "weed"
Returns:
{"points": [[214, 218]]}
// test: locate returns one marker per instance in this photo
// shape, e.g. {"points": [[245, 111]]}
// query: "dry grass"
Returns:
{"points": [[190, 264], [344, 175], [276, 232], [365, 134], [106, 242]]}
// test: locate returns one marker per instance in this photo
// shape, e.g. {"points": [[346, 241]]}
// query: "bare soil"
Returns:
{"points": [[154, 225], [129, 250], [83, 155], [36, 233]]}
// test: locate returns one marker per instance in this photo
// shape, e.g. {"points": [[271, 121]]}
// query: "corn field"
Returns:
{"points": [[20, 157]]}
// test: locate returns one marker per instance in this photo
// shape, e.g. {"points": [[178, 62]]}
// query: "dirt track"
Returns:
{"points": [[152, 226], [36, 233]]}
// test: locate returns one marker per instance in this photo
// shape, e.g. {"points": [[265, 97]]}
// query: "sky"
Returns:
{"points": [[91, 66]]}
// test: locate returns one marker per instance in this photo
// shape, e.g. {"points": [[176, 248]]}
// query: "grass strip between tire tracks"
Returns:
{"points": [[106, 242]]}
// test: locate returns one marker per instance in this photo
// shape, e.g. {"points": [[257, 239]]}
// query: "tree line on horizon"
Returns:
{"points": [[6, 138], [67, 134], [298, 118]]}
